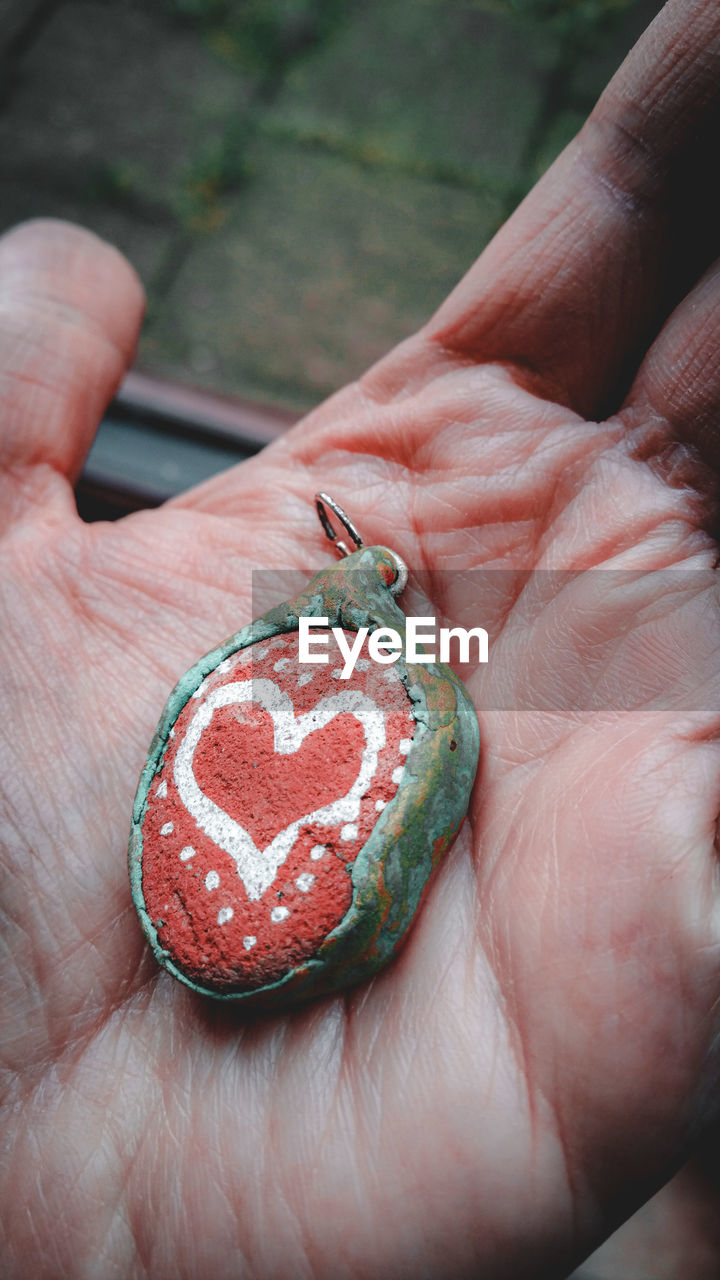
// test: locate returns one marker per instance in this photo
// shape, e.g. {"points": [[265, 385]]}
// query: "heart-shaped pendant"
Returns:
{"points": [[290, 814]]}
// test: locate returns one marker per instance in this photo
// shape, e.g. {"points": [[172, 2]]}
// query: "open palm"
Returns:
{"points": [[539, 1057]]}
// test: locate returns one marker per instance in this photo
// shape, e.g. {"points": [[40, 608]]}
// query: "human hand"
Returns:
{"points": [[541, 1054]]}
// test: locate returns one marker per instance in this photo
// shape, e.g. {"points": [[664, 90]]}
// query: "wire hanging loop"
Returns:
{"points": [[323, 501]]}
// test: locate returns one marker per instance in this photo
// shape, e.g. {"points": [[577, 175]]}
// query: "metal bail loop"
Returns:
{"points": [[324, 501]]}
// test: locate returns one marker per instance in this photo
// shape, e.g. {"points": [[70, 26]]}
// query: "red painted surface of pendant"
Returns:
{"points": [[274, 776]]}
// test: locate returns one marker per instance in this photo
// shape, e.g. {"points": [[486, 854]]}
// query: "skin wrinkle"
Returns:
{"points": [[615, 544], [394, 406], [173, 1118], [366, 1068], [436, 450], [76, 581], [301, 1132], [534, 1096], [52, 259], [19, 296], [496, 479], [13, 1087], [635, 180], [555, 507], [143, 1241], [44, 496], [82, 1040], [42, 1204], [43, 1207], [689, 59], [678, 466], [106, 348], [415, 364], [692, 367], [105, 1212], [702, 93], [678, 407], [39, 453], [43, 348], [577, 1194], [522, 373], [19, 377], [614, 455]]}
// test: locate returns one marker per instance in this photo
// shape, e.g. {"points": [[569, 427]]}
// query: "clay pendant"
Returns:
{"points": [[288, 819]]}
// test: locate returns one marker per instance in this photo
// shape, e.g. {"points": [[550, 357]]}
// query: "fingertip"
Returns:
{"points": [[71, 306], [75, 267]]}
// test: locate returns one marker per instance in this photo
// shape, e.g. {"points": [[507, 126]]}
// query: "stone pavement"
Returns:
{"points": [[298, 183]]}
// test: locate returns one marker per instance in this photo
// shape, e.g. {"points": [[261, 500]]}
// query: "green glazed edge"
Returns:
{"points": [[393, 868]]}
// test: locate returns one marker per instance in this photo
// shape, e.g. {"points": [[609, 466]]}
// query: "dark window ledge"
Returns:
{"points": [[159, 438]]}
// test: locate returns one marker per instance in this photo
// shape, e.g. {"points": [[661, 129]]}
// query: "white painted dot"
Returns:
{"points": [[261, 653], [380, 805], [398, 773], [200, 690], [404, 746], [281, 664], [249, 942], [187, 852], [172, 732], [277, 643], [305, 882], [390, 674], [162, 790], [166, 829], [225, 914], [212, 880], [362, 664], [306, 677], [349, 831], [226, 665], [317, 851], [279, 913], [336, 673]]}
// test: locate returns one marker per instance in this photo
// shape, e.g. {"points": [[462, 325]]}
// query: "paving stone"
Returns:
{"points": [[415, 121], [320, 268], [111, 95], [447, 85]]}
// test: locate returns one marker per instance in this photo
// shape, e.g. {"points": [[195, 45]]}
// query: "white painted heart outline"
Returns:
{"points": [[258, 868]]}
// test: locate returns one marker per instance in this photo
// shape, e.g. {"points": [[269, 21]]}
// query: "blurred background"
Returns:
{"points": [[298, 183]]}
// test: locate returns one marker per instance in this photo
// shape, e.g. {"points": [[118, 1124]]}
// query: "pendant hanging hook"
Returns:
{"points": [[322, 502]]}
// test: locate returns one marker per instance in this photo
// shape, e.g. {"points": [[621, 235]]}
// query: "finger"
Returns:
{"points": [[678, 383], [569, 287], [70, 310]]}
